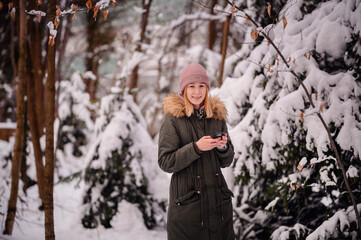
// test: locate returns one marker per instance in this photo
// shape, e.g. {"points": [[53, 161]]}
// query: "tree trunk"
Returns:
{"points": [[35, 96], [185, 29], [134, 75], [92, 58], [12, 52], [35, 136], [49, 149], [65, 32], [37, 67], [93, 41], [65, 26], [224, 49], [212, 27], [19, 138]]}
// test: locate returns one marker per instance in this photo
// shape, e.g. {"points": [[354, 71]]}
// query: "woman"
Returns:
{"points": [[200, 204]]}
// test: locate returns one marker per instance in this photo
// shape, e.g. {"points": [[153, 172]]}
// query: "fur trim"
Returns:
{"points": [[174, 106]]}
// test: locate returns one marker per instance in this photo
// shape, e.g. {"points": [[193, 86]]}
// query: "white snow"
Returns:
{"points": [[272, 204], [7, 125], [352, 172], [340, 220], [52, 31], [34, 12], [282, 233]]}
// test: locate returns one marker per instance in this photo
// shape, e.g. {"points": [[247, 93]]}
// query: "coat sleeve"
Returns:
{"points": [[226, 157], [171, 156]]}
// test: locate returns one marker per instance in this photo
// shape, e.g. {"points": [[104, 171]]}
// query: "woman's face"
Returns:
{"points": [[196, 92]]}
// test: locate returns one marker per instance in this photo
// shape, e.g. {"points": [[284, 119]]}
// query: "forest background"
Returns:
{"points": [[81, 85]]}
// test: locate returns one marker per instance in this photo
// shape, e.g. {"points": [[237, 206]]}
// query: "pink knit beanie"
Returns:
{"points": [[193, 73]]}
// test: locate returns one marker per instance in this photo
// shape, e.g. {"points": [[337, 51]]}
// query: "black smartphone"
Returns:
{"points": [[219, 134]]}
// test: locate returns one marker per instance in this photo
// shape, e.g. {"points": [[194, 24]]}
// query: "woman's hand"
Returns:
{"points": [[222, 142], [207, 143]]}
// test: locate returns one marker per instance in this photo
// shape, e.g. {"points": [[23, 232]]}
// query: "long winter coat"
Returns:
{"points": [[199, 200]]}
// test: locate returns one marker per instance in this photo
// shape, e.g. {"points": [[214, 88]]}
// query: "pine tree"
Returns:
{"points": [[118, 165], [75, 126], [75, 116], [288, 182]]}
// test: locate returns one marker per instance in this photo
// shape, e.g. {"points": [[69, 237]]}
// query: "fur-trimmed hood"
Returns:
{"points": [[174, 106]]}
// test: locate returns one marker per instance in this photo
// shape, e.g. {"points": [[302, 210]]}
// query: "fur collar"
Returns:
{"points": [[174, 106]]}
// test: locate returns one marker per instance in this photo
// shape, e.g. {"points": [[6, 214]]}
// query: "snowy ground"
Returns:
{"points": [[128, 224]]}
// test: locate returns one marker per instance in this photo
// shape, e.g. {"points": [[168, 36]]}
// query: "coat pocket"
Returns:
{"points": [[188, 198], [227, 193]]}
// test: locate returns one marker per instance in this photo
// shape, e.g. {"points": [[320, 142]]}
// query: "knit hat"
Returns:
{"points": [[193, 73]]}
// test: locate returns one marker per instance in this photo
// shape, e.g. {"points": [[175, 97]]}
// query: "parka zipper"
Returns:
{"points": [[198, 176]]}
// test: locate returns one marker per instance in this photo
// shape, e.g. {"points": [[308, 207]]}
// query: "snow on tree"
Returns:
{"points": [[7, 102], [121, 166], [274, 127], [339, 226], [6, 154], [75, 125]]}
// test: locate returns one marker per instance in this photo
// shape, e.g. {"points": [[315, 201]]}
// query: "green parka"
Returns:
{"points": [[200, 205]]}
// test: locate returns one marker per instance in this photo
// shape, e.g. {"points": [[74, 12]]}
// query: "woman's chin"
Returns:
{"points": [[196, 103]]}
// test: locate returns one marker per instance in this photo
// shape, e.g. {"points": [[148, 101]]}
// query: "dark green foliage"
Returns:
{"points": [[302, 204], [309, 5], [329, 64], [260, 7], [352, 58], [351, 61], [72, 131], [294, 206], [7, 104], [117, 182]]}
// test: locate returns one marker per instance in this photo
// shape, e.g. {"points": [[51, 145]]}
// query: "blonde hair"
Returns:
{"points": [[189, 109]]}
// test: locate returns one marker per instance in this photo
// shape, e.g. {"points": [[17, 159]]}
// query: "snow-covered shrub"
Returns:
{"points": [[74, 115], [121, 165], [74, 125], [342, 225], [7, 101], [6, 156], [275, 129], [296, 232]]}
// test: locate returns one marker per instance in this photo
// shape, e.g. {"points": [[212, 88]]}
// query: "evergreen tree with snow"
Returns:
{"points": [[288, 183], [74, 124], [120, 165]]}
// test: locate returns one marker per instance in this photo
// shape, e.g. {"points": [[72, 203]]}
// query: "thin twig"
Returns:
{"points": [[297, 116]]}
